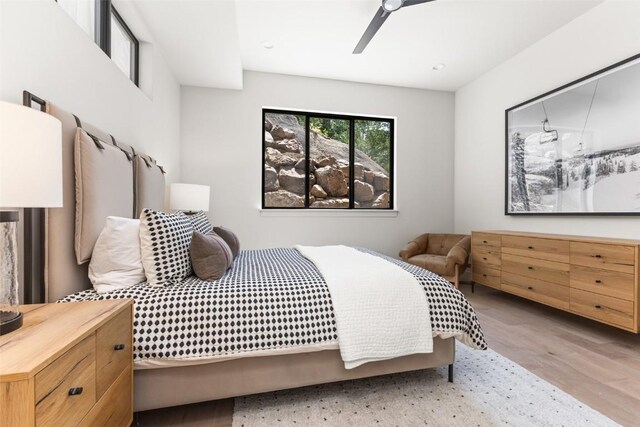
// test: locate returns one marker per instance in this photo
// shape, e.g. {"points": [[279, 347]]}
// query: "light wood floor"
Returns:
{"points": [[597, 364]]}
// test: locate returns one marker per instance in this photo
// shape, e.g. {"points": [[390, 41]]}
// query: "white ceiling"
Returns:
{"points": [[209, 42]]}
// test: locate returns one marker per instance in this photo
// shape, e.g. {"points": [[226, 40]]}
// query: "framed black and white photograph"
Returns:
{"points": [[576, 150]]}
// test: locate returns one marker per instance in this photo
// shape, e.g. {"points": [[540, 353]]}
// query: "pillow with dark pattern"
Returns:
{"points": [[230, 238], [164, 246], [200, 222]]}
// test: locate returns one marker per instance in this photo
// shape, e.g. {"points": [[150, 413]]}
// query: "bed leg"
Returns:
{"points": [[451, 373]]}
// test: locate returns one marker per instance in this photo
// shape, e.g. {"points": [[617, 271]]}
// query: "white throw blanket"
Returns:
{"points": [[381, 310]]}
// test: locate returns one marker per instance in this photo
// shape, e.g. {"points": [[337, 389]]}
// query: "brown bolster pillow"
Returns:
{"points": [[210, 255]]}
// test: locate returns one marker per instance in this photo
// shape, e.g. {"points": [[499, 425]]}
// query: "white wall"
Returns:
{"points": [[43, 51], [602, 36], [222, 142]]}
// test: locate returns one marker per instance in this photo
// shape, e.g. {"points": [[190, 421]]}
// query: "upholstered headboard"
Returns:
{"points": [[100, 179]]}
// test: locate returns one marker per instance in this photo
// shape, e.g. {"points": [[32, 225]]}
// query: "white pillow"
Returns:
{"points": [[116, 262]]}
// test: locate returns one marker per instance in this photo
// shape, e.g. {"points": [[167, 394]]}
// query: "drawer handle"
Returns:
{"points": [[484, 258], [484, 241], [118, 347], [530, 288], [598, 281], [598, 256], [598, 306], [530, 268], [530, 247], [74, 391], [484, 275]]}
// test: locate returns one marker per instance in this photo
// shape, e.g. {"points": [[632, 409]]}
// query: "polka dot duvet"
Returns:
{"points": [[270, 299]]}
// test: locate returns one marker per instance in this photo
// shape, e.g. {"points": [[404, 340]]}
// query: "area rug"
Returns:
{"points": [[488, 390]]}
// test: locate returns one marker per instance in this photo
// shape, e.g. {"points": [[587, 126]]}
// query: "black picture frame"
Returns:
{"points": [[547, 132]]}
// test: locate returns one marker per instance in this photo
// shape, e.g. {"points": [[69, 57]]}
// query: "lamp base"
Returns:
{"points": [[10, 321]]}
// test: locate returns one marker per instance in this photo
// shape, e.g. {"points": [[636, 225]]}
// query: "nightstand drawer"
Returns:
{"points": [[115, 408], [113, 350], [66, 389]]}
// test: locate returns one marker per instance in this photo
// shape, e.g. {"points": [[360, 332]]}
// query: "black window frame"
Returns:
{"points": [[102, 37], [352, 147]]}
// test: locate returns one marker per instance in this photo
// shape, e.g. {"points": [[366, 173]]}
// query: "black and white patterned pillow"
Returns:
{"points": [[200, 222], [164, 246]]}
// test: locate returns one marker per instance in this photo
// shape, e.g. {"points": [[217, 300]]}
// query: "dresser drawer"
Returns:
{"points": [[547, 249], [485, 275], [609, 257], [535, 289], [113, 350], [604, 282], [600, 307], [56, 405], [486, 256], [485, 240], [115, 408], [548, 271]]}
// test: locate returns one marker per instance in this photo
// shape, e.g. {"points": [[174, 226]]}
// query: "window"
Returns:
{"points": [[326, 161], [102, 22]]}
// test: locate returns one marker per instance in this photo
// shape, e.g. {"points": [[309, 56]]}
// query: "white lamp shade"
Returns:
{"points": [[30, 158], [189, 197]]}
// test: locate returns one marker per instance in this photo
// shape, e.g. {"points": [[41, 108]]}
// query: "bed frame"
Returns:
{"points": [[52, 272]]}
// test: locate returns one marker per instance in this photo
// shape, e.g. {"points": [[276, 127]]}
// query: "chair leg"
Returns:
{"points": [[450, 373], [456, 278]]}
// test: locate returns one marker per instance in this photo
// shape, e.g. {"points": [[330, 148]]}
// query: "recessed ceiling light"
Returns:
{"points": [[439, 66], [267, 45]]}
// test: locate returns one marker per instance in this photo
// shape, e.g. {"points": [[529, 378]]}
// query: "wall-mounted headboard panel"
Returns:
{"points": [[63, 275]]}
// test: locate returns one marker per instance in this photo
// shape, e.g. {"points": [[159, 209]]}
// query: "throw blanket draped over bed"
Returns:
{"points": [[381, 309]]}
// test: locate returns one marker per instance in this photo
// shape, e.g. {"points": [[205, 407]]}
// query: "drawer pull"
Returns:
{"points": [[74, 391], [598, 256], [484, 275], [484, 241], [598, 281], [530, 247], [598, 306], [484, 258], [530, 268], [530, 288], [118, 347]]}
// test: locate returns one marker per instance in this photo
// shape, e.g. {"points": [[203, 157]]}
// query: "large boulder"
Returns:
{"points": [[317, 191], [283, 199], [285, 145], [278, 132], [358, 171], [270, 179], [382, 201], [331, 203], [291, 180], [381, 182], [363, 192], [267, 125], [268, 139], [278, 160], [368, 176], [327, 161], [332, 181]]}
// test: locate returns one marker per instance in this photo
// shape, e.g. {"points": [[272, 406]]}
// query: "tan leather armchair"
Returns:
{"points": [[444, 254]]}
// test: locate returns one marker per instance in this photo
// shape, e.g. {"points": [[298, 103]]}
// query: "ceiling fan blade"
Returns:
{"points": [[415, 2], [375, 24]]}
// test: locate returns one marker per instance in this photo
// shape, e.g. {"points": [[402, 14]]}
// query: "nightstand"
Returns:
{"points": [[70, 364]]}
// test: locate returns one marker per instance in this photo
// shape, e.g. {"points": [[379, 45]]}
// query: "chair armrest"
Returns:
{"points": [[415, 247], [457, 255], [411, 249]]}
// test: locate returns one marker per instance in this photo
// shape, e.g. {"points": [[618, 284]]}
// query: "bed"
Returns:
{"points": [[267, 324]]}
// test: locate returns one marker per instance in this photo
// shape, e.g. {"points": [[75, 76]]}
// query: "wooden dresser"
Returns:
{"points": [[70, 364], [590, 276]]}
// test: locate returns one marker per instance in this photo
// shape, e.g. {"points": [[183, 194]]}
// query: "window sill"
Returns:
{"points": [[340, 213]]}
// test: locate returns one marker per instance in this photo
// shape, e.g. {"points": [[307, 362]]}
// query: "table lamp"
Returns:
{"points": [[30, 177], [189, 198]]}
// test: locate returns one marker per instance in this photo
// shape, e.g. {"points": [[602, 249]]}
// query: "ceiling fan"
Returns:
{"points": [[386, 9]]}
